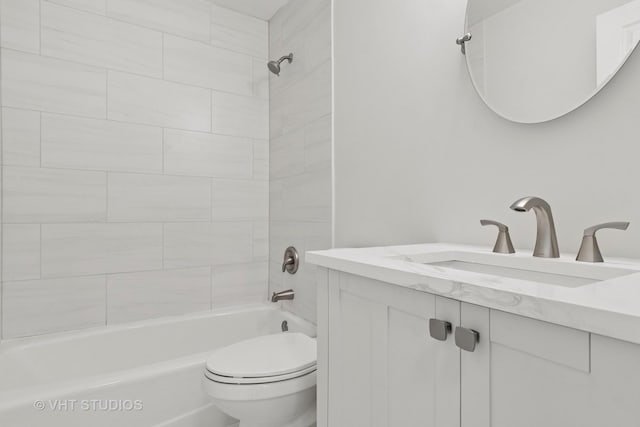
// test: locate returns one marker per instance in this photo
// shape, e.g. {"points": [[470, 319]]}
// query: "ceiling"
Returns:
{"points": [[263, 9]]}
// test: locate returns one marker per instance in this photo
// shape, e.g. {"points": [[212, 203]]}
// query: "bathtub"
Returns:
{"points": [[140, 374]]}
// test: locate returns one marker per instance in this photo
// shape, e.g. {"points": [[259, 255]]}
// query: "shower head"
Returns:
{"points": [[274, 66]]}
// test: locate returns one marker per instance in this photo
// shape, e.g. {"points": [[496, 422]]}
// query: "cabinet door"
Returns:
{"points": [[384, 368], [528, 373]]}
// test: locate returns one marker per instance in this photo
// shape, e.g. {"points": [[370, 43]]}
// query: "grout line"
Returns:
{"points": [[116, 172], [40, 263], [117, 70], [40, 27], [40, 142], [107, 274], [155, 126]]}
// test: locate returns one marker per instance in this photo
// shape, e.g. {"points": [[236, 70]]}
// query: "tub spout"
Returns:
{"points": [[282, 295]]}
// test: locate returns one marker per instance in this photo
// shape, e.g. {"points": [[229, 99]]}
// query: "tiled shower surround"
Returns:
{"points": [[300, 149], [135, 161]]}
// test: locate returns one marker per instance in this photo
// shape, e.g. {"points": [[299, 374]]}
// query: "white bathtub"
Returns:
{"points": [[143, 374]]}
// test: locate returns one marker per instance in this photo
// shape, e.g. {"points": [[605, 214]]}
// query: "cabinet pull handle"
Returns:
{"points": [[467, 339], [439, 329]]}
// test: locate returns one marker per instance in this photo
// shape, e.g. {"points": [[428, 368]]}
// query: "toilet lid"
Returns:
{"points": [[265, 356]]}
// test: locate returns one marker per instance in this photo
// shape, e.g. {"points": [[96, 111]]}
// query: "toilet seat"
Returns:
{"points": [[263, 360]]}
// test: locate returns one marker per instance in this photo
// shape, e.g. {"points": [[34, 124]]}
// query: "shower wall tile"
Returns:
{"points": [[20, 25], [261, 159], [44, 306], [232, 242], [287, 154], [47, 84], [97, 40], [200, 64], [156, 102], [33, 195], [202, 154], [79, 143], [260, 79], [86, 249], [186, 18], [261, 240], [301, 147], [21, 252], [240, 115], [241, 33], [95, 6], [200, 244], [158, 198], [240, 200], [188, 244], [239, 284], [135, 161], [144, 295], [20, 137]]}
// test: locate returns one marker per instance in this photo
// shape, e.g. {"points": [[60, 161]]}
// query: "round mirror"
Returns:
{"points": [[536, 60]]}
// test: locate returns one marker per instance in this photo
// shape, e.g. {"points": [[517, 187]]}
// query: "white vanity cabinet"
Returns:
{"points": [[529, 373], [379, 366], [383, 368]]}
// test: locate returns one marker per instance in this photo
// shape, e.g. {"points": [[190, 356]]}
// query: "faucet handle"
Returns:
{"points": [[589, 249], [503, 242]]}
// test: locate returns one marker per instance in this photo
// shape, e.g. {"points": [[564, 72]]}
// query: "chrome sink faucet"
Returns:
{"points": [[546, 238]]}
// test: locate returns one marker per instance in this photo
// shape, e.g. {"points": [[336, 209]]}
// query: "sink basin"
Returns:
{"points": [[558, 272]]}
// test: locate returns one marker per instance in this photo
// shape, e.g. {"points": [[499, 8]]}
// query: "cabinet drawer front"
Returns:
{"points": [[559, 344]]}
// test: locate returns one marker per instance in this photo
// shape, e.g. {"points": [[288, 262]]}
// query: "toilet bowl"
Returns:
{"points": [[269, 381]]}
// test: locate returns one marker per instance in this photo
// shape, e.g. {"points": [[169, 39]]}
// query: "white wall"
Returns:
{"points": [[300, 146], [420, 158], [135, 161]]}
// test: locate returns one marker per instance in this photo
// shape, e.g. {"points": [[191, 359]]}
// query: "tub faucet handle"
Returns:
{"points": [[589, 249], [503, 242], [291, 260]]}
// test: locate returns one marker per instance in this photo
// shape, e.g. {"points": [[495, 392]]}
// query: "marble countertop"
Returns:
{"points": [[609, 306]]}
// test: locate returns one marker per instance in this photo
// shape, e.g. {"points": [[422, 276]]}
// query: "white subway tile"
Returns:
{"points": [[304, 197], [95, 6], [261, 159], [260, 79], [261, 240], [135, 197], [287, 154], [201, 154], [236, 200], [84, 249], [188, 18], [20, 25], [74, 142], [242, 33], [43, 306], [33, 195], [20, 252], [200, 64], [97, 40], [240, 284], [155, 102], [238, 115], [232, 242], [146, 295], [20, 137], [48, 84], [188, 244], [200, 244], [317, 145]]}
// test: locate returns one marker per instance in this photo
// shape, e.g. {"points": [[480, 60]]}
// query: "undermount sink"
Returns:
{"points": [[559, 272]]}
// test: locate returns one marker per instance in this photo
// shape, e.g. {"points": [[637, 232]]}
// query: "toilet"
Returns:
{"points": [[268, 381]]}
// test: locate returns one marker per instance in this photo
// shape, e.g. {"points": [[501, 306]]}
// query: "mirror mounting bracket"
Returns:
{"points": [[460, 41]]}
